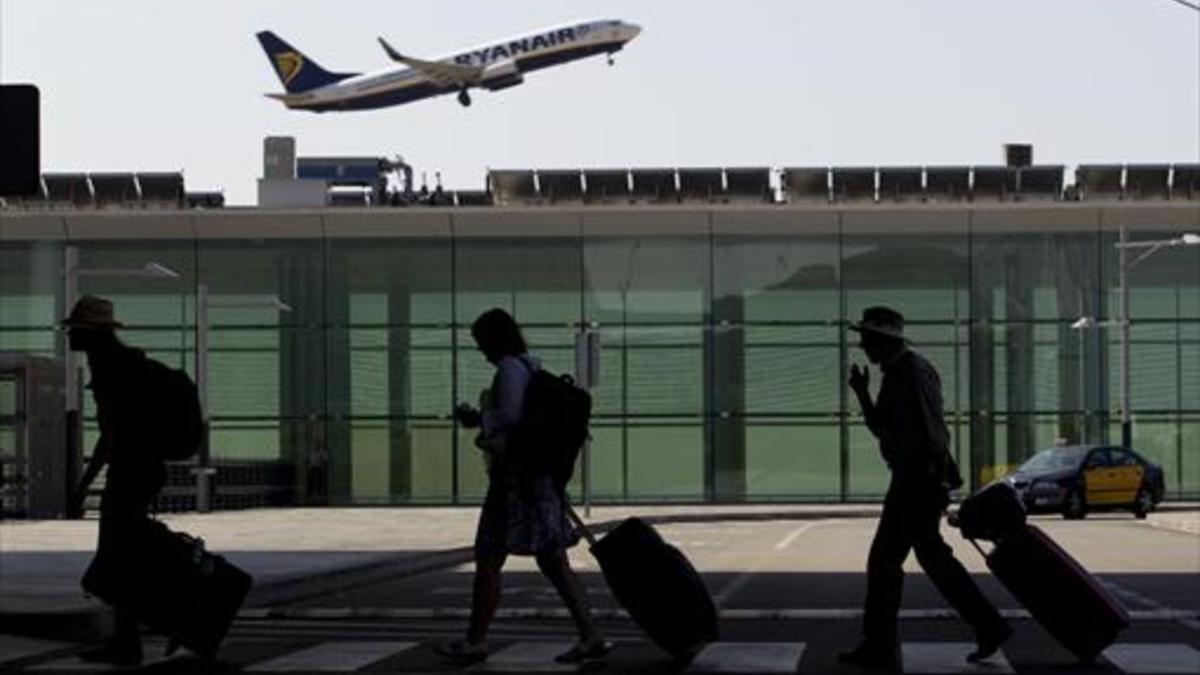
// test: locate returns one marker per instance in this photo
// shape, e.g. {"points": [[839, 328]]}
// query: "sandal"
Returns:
{"points": [[461, 652], [582, 652]]}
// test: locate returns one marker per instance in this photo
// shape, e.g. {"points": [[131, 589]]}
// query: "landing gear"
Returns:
{"points": [[464, 98], [610, 58]]}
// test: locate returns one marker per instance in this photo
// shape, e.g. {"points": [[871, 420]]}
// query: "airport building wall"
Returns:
{"points": [[722, 332]]}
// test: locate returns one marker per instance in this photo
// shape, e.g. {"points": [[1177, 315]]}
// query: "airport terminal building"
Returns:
{"points": [[335, 339]]}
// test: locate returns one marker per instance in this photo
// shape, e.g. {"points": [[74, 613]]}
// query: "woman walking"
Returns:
{"points": [[524, 512]]}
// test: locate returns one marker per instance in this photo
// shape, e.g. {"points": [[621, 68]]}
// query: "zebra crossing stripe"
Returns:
{"points": [[152, 649], [14, 647], [748, 657], [340, 656], [527, 657], [549, 612], [1154, 658], [948, 657]]}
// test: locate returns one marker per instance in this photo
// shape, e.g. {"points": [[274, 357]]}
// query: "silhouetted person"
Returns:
{"points": [[913, 439], [524, 512], [317, 479], [136, 471]]}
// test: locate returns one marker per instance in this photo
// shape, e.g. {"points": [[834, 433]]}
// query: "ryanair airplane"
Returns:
{"points": [[493, 67]]}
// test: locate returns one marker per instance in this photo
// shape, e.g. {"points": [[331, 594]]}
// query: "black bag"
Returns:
{"points": [[554, 425], [173, 412], [1058, 592], [174, 585], [992, 513], [657, 585]]}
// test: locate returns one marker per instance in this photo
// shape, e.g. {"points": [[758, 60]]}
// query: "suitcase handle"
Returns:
{"points": [[978, 548], [587, 532]]}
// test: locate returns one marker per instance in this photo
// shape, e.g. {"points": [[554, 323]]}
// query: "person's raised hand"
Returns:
{"points": [[467, 416], [860, 378]]}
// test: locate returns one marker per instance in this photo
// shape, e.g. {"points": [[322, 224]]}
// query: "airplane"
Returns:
{"points": [[496, 66]]}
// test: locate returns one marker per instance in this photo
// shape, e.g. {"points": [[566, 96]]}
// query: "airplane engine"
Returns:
{"points": [[501, 76]]}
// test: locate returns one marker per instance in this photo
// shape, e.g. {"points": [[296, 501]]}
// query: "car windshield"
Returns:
{"points": [[1054, 459]]}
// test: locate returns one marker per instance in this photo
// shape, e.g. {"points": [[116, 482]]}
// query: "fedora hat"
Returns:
{"points": [[91, 311], [881, 320]]}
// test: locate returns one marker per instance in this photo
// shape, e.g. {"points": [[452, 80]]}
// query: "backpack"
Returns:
{"points": [[175, 420], [554, 425]]}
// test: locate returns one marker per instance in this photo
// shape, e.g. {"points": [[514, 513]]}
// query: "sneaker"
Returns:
{"points": [[129, 654], [461, 652], [988, 642], [870, 656], [583, 652]]}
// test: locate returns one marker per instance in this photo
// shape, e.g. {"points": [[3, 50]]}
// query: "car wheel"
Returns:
{"points": [[1075, 508], [1143, 503]]}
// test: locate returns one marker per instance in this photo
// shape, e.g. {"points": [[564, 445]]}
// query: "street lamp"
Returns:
{"points": [[1151, 247], [202, 470], [71, 274]]}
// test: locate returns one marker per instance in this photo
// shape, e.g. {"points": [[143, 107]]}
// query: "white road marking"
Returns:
{"points": [[527, 657], [609, 612], [948, 657], [151, 648], [737, 583], [748, 657], [1154, 658], [13, 647], [342, 656], [546, 590], [1186, 619], [795, 534]]}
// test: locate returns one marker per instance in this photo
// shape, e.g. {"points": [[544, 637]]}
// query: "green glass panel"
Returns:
{"points": [[868, 473], [370, 465], [786, 459], [472, 467], [608, 469], [36, 341], [431, 464], [245, 440], [666, 461], [537, 279], [648, 280], [1188, 480], [1189, 365]]}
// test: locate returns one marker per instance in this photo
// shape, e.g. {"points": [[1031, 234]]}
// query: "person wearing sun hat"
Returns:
{"points": [[907, 420], [136, 473]]}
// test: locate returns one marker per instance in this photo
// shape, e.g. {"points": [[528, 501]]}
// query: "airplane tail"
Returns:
{"points": [[297, 72]]}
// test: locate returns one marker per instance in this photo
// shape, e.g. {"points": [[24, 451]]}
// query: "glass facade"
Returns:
{"points": [[722, 332]]}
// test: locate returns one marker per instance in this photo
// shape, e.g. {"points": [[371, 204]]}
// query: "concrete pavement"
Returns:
{"points": [[296, 553]]}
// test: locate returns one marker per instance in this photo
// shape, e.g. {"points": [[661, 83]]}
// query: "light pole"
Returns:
{"points": [[71, 274], [202, 470], [1125, 264], [1081, 324]]}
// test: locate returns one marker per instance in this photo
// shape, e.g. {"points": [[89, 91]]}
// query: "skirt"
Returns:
{"points": [[523, 518]]}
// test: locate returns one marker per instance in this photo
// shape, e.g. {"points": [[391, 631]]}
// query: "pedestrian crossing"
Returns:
{"points": [[537, 656], [337, 656]]}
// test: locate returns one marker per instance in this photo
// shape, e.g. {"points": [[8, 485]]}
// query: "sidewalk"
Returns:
{"points": [[295, 553]]}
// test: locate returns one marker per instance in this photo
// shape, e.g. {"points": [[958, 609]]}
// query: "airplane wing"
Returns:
{"points": [[445, 74]]}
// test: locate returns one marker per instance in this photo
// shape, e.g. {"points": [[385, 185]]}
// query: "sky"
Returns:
{"points": [[161, 85]]}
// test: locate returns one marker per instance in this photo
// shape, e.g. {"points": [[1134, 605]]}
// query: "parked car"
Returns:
{"points": [[1076, 479]]}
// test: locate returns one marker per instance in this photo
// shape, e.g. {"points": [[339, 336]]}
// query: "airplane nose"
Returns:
{"points": [[631, 31]]}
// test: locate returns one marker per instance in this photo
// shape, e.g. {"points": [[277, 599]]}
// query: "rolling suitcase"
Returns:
{"points": [[175, 587], [992, 513], [657, 585], [1057, 591]]}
